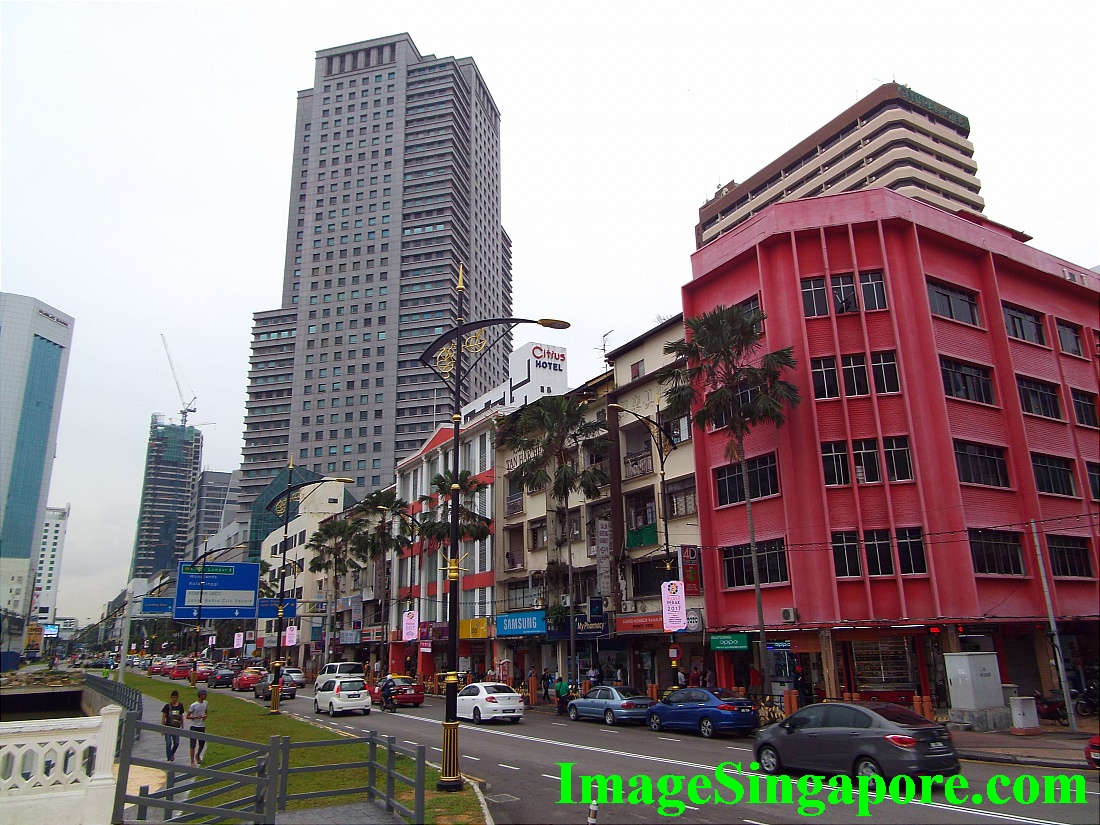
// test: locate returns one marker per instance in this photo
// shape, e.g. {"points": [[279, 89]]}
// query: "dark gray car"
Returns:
{"points": [[859, 738]]}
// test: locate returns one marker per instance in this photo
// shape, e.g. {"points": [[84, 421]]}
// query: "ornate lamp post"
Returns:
{"points": [[274, 504], [445, 356]]}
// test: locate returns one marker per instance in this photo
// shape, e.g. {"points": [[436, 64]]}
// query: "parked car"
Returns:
{"points": [[157, 667], [247, 678], [295, 674], [222, 677], [612, 704], [861, 738], [489, 700], [181, 669], [337, 694], [1092, 753], [203, 671], [407, 693], [342, 669], [707, 710], [262, 689]]}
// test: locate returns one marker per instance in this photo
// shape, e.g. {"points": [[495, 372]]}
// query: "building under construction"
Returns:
{"points": [[172, 465]]}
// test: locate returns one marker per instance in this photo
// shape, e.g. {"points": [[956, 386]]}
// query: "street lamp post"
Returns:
{"points": [[445, 356], [663, 436]]}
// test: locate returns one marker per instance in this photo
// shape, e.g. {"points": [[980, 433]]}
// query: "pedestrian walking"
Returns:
{"points": [[171, 716], [681, 680], [547, 681], [197, 713], [561, 690], [594, 676], [619, 675], [694, 678], [711, 679]]}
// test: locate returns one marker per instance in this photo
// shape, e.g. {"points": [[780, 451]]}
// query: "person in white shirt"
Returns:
{"points": [[197, 713]]}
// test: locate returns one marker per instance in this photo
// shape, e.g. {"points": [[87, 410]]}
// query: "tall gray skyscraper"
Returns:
{"points": [[395, 180], [172, 464], [34, 357]]}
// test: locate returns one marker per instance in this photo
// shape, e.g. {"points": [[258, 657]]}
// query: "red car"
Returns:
{"points": [[408, 692], [1092, 753], [247, 678], [202, 672], [181, 670], [156, 669]]}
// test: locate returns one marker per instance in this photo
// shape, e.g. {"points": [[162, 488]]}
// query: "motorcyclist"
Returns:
{"points": [[389, 688]]}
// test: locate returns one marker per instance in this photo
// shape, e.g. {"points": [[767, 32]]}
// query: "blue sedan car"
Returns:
{"points": [[612, 704], [707, 710]]}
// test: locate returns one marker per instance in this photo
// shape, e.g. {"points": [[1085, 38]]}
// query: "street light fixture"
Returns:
{"points": [[291, 487], [444, 357]]}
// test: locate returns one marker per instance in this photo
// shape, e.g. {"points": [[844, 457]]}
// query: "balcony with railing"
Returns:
{"points": [[638, 464], [514, 560], [642, 536]]}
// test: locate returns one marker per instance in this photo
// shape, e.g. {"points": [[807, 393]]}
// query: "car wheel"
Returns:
{"points": [[316, 707], [515, 720], [573, 713], [417, 705], [477, 716], [655, 722], [706, 727], [366, 711], [866, 766], [769, 759], [609, 718], [331, 710]]}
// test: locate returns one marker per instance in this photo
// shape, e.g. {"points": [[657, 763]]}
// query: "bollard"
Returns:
{"points": [[847, 697], [593, 812], [918, 705], [855, 696], [929, 711], [653, 693]]}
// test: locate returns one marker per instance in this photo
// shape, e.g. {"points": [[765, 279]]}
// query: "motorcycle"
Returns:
{"points": [[389, 703], [1051, 709], [1088, 701]]}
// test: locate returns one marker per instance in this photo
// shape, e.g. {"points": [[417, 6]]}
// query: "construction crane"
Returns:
{"points": [[188, 406]]}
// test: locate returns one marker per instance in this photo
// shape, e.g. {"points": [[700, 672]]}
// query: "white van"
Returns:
{"points": [[342, 669]]}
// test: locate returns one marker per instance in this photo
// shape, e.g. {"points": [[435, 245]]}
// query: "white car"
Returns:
{"points": [[336, 694], [489, 700]]}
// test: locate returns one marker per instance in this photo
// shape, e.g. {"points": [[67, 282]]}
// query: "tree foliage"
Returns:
{"points": [[435, 520]]}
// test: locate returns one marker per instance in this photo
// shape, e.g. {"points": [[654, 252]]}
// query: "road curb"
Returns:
{"points": [[1008, 759], [481, 799]]}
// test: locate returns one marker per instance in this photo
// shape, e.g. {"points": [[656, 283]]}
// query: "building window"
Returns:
{"points": [[1069, 338], [1039, 398], [1024, 324], [1084, 408], [865, 457], [996, 552], [911, 550], [1092, 468], [763, 480], [967, 381], [956, 304], [844, 294], [771, 562], [1069, 556], [854, 368], [679, 428], [834, 460], [884, 369], [981, 464], [815, 302], [1053, 475], [824, 375], [681, 497], [846, 554], [899, 464], [880, 558], [538, 534], [874, 290], [637, 370]]}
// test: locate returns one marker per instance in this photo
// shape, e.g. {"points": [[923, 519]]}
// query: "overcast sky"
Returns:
{"points": [[147, 147]]}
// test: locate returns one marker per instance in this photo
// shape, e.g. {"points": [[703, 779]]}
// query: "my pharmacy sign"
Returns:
{"points": [[729, 641]]}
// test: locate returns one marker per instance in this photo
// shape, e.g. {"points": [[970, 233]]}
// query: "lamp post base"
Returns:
{"points": [[449, 779]]}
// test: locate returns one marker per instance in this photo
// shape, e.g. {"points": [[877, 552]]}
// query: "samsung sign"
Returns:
{"points": [[525, 623]]}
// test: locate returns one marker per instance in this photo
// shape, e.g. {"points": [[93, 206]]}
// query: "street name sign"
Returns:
{"points": [[269, 609], [224, 591], [156, 604]]}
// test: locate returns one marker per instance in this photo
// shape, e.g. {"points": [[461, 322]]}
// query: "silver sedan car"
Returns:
{"points": [[620, 703]]}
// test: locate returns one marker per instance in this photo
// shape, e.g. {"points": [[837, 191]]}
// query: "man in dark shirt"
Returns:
{"points": [[171, 716]]}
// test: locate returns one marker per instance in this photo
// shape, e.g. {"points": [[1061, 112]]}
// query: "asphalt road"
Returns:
{"points": [[522, 768]]}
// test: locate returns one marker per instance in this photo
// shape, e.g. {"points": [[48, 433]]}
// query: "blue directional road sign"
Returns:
{"points": [[269, 609], [225, 591], [157, 604]]}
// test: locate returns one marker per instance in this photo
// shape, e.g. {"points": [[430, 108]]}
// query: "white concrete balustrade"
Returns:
{"points": [[59, 770]]}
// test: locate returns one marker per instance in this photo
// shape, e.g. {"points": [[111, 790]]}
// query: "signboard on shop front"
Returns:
{"points": [[729, 641]]}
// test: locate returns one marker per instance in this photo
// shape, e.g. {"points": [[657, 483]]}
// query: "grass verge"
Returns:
{"points": [[237, 719]]}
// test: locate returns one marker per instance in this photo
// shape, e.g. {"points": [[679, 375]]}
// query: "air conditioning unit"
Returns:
{"points": [[565, 600], [790, 615], [628, 605]]}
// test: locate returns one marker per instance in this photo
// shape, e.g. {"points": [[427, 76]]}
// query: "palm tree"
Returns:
{"points": [[337, 546], [550, 432], [724, 378], [379, 542], [435, 525]]}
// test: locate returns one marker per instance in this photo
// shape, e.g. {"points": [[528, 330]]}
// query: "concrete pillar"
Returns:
{"points": [[828, 663], [949, 639], [1044, 655]]}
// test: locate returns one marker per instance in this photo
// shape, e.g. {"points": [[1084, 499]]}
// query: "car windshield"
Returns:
{"points": [[498, 689], [352, 684], [902, 716], [403, 681], [628, 692]]}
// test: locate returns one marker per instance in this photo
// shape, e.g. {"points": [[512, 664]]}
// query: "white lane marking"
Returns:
{"points": [[753, 822], [608, 730], [560, 724], [509, 767], [555, 778], [668, 738], [735, 748], [410, 742], [475, 758], [434, 748], [690, 806], [665, 760], [350, 727]]}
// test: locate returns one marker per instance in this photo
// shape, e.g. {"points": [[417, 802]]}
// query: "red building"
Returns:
{"points": [[948, 374]]}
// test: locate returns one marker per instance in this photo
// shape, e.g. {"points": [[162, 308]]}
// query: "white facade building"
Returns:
{"points": [[48, 567]]}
